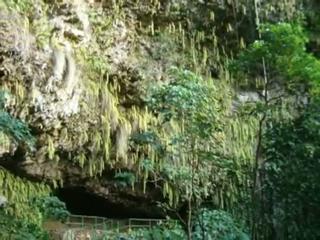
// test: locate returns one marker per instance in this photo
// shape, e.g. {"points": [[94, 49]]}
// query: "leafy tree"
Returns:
{"points": [[280, 57], [51, 207], [291, 183], [286, 77], [216, 225], [15, 228], [170, 230], [190, 139]]}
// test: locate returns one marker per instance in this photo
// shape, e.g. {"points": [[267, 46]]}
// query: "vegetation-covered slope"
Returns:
{"points": [[166, 107]]}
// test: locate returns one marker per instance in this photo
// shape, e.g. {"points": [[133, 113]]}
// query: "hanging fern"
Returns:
{"points": [[19, 192], [15, 129]]}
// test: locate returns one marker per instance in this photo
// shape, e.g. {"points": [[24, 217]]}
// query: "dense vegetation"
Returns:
{"points": [[227, 136]]}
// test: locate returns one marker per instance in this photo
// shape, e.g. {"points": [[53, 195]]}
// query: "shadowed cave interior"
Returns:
{"points": [[81, 202]]}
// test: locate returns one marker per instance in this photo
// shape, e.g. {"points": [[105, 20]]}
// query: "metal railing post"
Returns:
{"points": [[102, 223], [82, 222], [118, 226]]}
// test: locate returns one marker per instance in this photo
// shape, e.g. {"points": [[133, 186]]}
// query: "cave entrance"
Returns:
{"points": [[81, 202]]}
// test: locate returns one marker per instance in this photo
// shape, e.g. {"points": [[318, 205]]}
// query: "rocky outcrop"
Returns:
{"points": [[77, 82], [78, 71]]}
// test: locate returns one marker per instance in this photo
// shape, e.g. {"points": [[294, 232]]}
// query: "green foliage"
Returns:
{"points": [[204, 152], [22, 217], [190, 116], [166, 231], [125, 178], [217, 225], [279, 66], [283, 48], [19, 191], [3, 98], [22, 6], [291, 185], [19, 229], [17, 130], [51, 207], [197, 148], [187, 98]]}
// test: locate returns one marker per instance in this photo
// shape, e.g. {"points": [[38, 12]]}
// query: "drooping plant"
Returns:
{"points": [[28, 203], [13, 128], [286, 78], [291, 180], [190, 155]]}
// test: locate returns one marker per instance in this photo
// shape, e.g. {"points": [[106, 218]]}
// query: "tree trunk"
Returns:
{"points": [[189, 223]]}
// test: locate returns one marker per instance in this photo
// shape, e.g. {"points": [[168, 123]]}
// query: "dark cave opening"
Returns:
{"points": [[81, 202]]}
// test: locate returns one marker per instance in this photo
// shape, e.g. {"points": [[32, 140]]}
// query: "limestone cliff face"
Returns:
{"points": [[77, 72]]}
